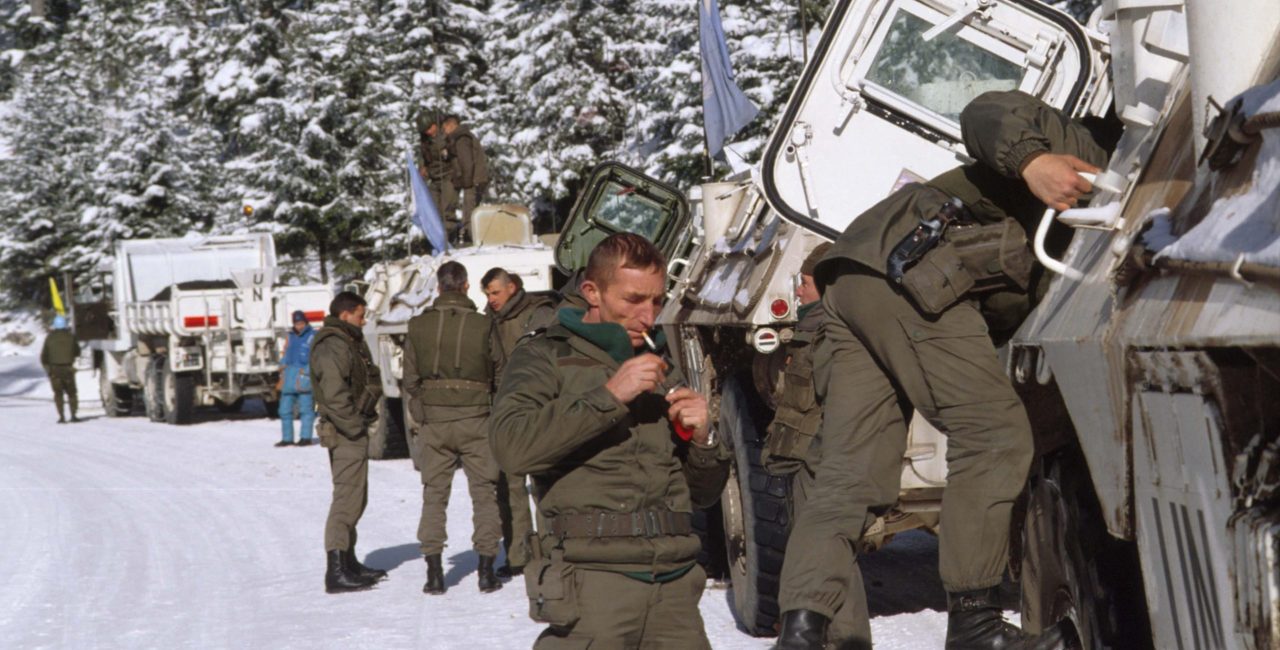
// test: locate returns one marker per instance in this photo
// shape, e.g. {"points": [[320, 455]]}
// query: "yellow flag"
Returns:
{"points": [[57, 299]]}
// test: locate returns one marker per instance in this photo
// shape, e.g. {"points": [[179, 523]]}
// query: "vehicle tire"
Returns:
{"points": [[179, 395], [1073, 570], [117, 401], [232, 407], [386, 434], [709, 526], [153, 389], [271, 406], [756, 509]]}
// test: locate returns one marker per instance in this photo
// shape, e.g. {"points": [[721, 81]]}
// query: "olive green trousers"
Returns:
{"points": [[441, 445], [621, 613], [881, 358], [517, 520], [63, 380], [349, 462]]}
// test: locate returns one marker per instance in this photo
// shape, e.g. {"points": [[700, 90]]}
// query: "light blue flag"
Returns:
{"points": [[425, 212], [725, 109]]}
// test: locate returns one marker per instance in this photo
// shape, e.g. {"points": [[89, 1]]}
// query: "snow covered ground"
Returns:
{"points": [[122, 533]]}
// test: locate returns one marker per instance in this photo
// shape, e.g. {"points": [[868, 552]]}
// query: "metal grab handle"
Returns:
{"points": [[1042, 231]]}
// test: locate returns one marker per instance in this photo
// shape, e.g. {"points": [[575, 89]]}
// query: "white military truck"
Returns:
{"points": [[399, 290], [196, 321], [1149, 370]]}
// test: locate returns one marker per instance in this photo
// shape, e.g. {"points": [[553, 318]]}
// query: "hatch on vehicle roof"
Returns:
{"points": [[616, 199], [879, 104]]}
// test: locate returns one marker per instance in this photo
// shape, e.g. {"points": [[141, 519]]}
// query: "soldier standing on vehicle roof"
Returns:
{"points": [[347, 386], [514, 313], [436, 168], [793, 447], [58, 356], [588, 414], [448, 376], [470, 169], [919, 338]]}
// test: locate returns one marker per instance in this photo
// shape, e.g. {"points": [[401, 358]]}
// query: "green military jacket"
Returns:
{"points": [[60, 349], [1001, 130], [798, 418], [448, 361], [587, 452], [345, 383], [435, 160], [470, 165], [522, 314]]}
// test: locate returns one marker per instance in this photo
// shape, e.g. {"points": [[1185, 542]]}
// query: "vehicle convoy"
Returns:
{"points": [[401, 289], [1149, 369], [196, 321]]}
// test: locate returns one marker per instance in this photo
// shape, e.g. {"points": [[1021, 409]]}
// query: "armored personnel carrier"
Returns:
{"points": [[1150, 518]]}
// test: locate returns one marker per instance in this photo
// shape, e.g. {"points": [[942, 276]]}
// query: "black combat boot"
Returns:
{"points": [[338, 579], [975, 622], [488, 581], [802, 629], [435, 576], [365, 573], [507, 571]]}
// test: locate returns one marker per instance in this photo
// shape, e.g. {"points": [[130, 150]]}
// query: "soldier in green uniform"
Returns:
{"points": [[58, 356], [793, 447], [436, 168], [514, 313], [346, 385], [921, 340], [448, 377], [599, 422]]}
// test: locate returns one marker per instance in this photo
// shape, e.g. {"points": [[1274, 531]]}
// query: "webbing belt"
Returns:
{"points": [[455, 384], [646, 523]]}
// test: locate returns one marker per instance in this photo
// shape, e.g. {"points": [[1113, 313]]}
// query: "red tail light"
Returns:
{"points": [[200, 321], [780, 308]]}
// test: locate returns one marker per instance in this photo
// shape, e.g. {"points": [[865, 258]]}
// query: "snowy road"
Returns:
{"points": [[122, 533]]}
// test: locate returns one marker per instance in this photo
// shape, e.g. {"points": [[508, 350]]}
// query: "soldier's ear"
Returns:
{"points": [[591, 292]]}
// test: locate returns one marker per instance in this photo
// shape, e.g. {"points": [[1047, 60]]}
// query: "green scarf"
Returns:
{"points": [[804, 309], [610, 337]]}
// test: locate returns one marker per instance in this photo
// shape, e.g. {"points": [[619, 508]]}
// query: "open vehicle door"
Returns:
{"points": [[879, 105], [616, 199]]}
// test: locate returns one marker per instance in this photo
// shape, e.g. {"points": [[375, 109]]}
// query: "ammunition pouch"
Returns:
{"points": [[971, 259], [551, 585], [996, 255], [798, 418]]}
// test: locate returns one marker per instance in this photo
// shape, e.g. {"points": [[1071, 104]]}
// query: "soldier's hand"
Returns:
{"points": [[637, 375], [1055, 179], [689, 409]]}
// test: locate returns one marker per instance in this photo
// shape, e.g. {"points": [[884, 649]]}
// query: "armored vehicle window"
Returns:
{"points": [[623, 209], [943, 74]]}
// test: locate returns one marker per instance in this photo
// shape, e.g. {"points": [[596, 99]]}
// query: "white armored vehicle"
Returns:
{"points": [[1149, 369], [198, 321], [399, 290]]}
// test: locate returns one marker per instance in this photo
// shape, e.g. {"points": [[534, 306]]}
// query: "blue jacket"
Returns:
{"points": [[297, 361]]}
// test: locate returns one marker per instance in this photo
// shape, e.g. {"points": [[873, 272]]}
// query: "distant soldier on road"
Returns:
{"points": [[346, 385], [58, 356], [514, 313], [470, 169], [448, 376], [620, 452], [918, 334]]}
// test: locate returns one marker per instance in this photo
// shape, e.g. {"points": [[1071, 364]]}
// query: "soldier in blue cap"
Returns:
{"points": [[58, 356], [295, 382]]}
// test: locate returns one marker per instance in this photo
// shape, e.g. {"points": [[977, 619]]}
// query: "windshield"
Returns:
{"points": [[943, 74], [623, 209]]}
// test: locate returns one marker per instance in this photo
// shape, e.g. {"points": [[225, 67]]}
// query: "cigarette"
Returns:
{"points": [[653, 347]]}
